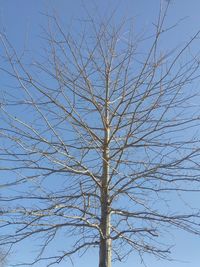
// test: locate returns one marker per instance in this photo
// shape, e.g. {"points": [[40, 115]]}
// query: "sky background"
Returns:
{"points": [[23, 21]]}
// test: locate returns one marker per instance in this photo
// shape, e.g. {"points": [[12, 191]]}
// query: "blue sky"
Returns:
{"points": [[23, 21]]}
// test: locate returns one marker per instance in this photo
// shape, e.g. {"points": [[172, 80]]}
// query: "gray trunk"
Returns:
{"points": [[105, 249], [105, 241], [105, 252]]}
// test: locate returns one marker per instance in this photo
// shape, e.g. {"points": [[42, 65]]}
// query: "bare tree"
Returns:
{"points": [[98, 143]]}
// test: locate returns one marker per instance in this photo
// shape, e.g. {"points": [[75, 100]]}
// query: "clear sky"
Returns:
{"points": [[23, 21]]}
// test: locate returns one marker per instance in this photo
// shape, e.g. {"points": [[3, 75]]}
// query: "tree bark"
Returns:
{"points": [[105, 240], [105, 249]]}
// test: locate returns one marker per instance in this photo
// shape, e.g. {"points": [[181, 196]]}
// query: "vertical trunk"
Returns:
{"points": [[105, 250], [105, 241]]}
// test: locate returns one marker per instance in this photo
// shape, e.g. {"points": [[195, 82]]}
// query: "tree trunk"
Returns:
{"points": [[105, 249], [105, 241]]}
